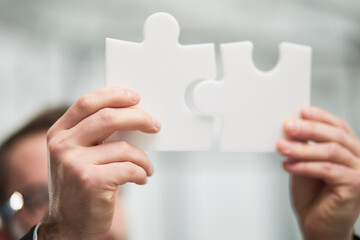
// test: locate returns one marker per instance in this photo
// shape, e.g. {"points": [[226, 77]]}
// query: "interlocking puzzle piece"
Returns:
{"points": [[161, 70], [252, 103]]}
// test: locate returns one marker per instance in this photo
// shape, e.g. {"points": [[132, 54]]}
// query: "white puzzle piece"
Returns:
{"points": [[254, 104], [160, 70]]}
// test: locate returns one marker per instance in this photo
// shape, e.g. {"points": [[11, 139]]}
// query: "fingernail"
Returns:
{"points": [[286, 146], [287, 164], [151, 169], [309, 112], [157, 123], [292, 126], [283, 165], [134, 96]]}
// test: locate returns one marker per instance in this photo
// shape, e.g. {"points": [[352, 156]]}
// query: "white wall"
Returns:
{"points": [[53, 52]]}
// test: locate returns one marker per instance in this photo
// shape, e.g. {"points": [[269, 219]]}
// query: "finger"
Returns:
{"points": [[118, 152], [321, 115], [332, 173], [320, 132], [99, 126], [319, 152], [119, 173], [111, 97]]}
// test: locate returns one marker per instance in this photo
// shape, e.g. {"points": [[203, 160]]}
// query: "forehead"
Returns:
{"points": [[27, 163]]}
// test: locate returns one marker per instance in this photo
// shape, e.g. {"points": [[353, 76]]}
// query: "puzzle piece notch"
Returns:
{"points": [[253, 103], [161, 69]]}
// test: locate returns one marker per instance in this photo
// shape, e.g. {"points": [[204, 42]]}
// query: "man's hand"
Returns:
{"points": [[84, 171], [324, 162]]}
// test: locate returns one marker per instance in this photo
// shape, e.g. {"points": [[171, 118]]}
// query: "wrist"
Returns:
{"points": [[328, 236], [338, 229], [49, 231], [58, 231], [318, 238]]}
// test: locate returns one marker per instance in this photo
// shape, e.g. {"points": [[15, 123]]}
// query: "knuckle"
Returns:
{"points": [[67, 160], [60, 151], [333, 150], [345, 194], [106, 115], [83, 175], [298, 150], [144, 118], [143, 162], [343, 124], [304, 166], [312, 129], [327, 167], [124, 146], [341, 136], [86, 178], [136, 173], [131, 169], [56, 146], [106, 199], [142, 177], [84, 103], [50, 134], [142, 157]]}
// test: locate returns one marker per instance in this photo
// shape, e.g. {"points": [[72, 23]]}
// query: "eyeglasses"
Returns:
{"points": [[34, 199]]}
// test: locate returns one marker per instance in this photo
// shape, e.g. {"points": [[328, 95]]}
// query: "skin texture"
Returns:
{"points": [[82, 165], [325, 174]]}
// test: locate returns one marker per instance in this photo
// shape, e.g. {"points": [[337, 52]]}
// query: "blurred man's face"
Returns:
{"points": [[27, 171], [27, 168]]}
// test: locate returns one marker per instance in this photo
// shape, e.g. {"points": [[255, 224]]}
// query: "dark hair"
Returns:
{"points": [[42, 122]]}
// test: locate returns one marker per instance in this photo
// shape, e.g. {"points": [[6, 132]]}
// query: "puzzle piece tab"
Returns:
{"points": [[160, 70], [254, 104]]}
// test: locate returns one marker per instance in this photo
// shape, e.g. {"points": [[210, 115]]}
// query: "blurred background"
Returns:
{"points": [[52, 52]]}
